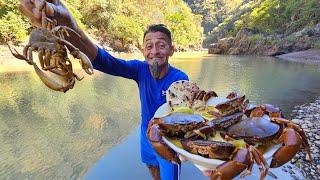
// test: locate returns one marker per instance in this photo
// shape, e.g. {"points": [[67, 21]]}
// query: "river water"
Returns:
{"points": [[92, 131]]}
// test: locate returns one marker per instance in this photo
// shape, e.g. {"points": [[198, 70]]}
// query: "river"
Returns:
{"points": [[91, 132]]}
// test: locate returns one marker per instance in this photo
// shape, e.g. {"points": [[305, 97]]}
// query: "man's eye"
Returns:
{"points": [[162, 46], [148, 47]]}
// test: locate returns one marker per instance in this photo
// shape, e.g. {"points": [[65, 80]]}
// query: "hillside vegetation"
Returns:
{"points": [[224, 18], [113, 22]]}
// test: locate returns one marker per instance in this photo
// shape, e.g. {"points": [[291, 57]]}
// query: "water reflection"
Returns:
{"points": [[45, 134], [50, 135]]}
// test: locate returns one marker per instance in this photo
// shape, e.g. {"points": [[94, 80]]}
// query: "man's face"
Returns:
{"points": [[157, 45]]}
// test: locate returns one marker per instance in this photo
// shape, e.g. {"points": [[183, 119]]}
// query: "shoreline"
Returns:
{"points": [[8, 63], [310, 56], [307, 116]]}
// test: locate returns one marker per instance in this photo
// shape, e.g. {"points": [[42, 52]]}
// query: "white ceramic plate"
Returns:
{"points": [[216, 100], [201, 162]]}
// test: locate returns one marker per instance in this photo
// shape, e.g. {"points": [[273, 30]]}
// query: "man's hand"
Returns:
{"points": [[54, 9]]}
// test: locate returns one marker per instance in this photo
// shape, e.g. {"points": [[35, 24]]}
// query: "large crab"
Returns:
{"points": [[264, 126], [237, 154], [49, 41], [53, 56], [174, 125]]}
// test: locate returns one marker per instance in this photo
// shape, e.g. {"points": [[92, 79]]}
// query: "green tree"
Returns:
{"points": [[14, 27]]}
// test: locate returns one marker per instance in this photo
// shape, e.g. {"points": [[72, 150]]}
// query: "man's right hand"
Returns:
{"points": [[55, 10]]}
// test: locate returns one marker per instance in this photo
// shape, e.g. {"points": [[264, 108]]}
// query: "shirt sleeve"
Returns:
{"points": [[106, 63]]}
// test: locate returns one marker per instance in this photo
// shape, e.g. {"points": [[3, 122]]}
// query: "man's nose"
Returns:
{"points": [[154, 50]]}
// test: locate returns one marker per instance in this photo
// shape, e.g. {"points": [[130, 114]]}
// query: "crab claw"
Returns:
{"points": [[292, 139], [155, 137], [241, 159], [53, 81], [291, 145], [84, 61], [76, 53]]}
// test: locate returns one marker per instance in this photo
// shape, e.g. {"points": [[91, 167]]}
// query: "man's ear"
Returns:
{"points": [[172, 49]]}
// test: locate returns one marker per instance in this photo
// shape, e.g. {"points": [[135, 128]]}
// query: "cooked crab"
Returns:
{"points": [[174, 125], [265, 125], [238, 155]]}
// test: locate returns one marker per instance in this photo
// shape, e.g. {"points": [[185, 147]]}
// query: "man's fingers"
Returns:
{"points": [[29, 9], [207, 172], [36, 13], [39, 4], [50, 9], [182, 158]]}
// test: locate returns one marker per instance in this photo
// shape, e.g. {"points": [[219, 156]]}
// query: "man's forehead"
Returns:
{"points": [[156, 36]]}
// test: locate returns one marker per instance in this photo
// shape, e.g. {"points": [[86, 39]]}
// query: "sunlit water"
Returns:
{"points": [[91, 132]]}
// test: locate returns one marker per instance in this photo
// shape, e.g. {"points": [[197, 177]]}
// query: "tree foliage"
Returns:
{"points": [[263, 16], [14, 27], [126, 20], [112, 21]]}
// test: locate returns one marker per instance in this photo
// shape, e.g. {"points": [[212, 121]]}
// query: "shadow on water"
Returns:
{"points": [[92, 131]]}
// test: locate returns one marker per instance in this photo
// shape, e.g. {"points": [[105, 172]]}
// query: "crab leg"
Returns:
{"points": [[240, 161], [59, 30], [20, 56], [155, 137], [76, 53], [249, 169], [259, 159]]}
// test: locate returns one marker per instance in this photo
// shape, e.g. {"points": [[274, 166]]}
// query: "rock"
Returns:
{"points": [[297, 121]]}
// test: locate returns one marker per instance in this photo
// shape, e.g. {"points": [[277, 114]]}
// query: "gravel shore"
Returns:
{"points": [[308, 117], [311, 56]]}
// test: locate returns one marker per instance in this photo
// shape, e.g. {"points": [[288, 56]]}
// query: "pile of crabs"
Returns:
{"points": [[233, 130], [52, 47]]}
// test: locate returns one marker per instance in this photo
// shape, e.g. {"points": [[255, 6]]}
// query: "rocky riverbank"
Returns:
{"points": [[250, 42], [308, 117]]}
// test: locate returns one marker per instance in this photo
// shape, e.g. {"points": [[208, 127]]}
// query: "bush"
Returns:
{"points": [[13, 28]]}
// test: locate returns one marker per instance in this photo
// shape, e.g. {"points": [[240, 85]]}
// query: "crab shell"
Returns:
{"points": [[255, 129], [209, 149], [174, 125], [177, 124]]}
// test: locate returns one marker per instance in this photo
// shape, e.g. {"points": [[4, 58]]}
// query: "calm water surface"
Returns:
{"points": [[91, 132]]}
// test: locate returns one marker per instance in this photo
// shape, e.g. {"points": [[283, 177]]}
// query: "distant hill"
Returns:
{"points": [[225, 18]]}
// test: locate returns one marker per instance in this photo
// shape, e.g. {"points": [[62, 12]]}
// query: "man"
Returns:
{"points": [[153, 76]]}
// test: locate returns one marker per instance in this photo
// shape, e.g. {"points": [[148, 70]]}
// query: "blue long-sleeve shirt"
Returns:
{"points": [[151, 91]]}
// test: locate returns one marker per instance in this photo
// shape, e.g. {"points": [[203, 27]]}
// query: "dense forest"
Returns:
{"points": [[223, 18], [194, 23]]}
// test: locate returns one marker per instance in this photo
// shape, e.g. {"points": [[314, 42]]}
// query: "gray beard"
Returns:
{"points": [[155, 69]]}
